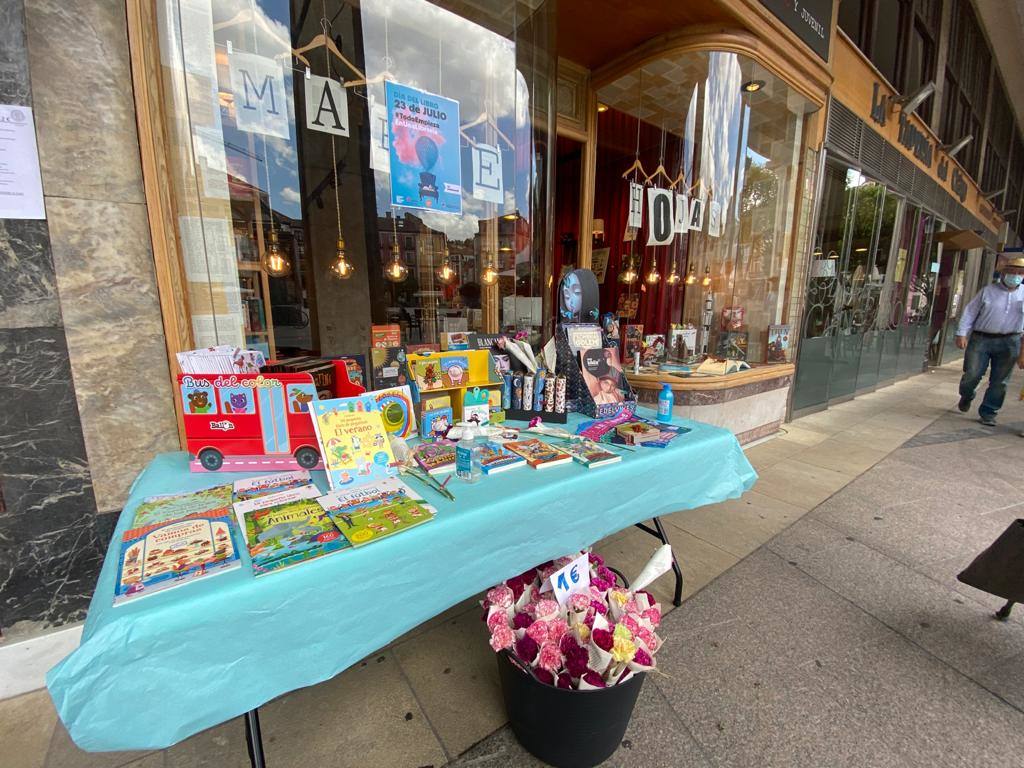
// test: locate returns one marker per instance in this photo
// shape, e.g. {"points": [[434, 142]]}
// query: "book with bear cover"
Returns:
{"points": [[287, 528], [168, 554]]}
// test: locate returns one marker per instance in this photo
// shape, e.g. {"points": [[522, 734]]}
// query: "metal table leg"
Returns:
{"points": [[1004, 613], [658, 532], [254, 739]]}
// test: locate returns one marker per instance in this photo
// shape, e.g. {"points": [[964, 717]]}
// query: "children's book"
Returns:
{"points": [[388, 367], [164, 555], [435, 423], [427, 373], [174, 506], [353, 441], [668, 433], [264, 485], [385, 335], [286, 529], [373, 512], [299, 493], [494, 458], [437, 457], [538, 454], [396, 410], [355, 365], [590, 454]]}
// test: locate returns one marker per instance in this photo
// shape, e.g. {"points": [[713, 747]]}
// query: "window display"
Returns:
{"points": [[339, 165], [697, 167]]}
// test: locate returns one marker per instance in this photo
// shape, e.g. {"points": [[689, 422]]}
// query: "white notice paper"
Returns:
{"points": [[487, 174], [257, 84], [21, 188]]}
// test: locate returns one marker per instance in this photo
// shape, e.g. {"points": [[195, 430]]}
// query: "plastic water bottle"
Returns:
{"points": [[665, 402], [467, 456]]}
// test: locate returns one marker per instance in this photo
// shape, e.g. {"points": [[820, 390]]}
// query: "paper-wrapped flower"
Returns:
{"points": [[579, 602], [643, 658], [618, 597], [582, 633], [649, 639], [623, 648], [653, 615], [567, 643], [500, 596], [603, 639], [521, 620], [545, 609], [528, 575], [630, 622], [544, 676], [502, 637], [564, 681], [600, 584], [599, 607], [644, 595], [593, 679], [557, 628], [605, 573], [496, 617], [595, 560], [549, 658], [517, 587], [576, 661], [538, 631], [526, 649]]}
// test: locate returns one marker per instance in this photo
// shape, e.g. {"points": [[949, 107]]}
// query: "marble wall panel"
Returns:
{"points": [[14, 82], [49, 545], [28, 291], [115, 339], [82, 89]]}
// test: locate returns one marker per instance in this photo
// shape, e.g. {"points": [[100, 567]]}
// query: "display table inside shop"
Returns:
{"points": [[751, 404], [154, 671]]}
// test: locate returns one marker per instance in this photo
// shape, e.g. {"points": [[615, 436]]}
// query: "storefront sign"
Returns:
{"points": [[487, 175], [258, 87], [959, 185], [659, 216], [682, 217], [21, 187], [426, 163], [636, 206], [880, 103], [697, 213], [811, 20], [326, 106], [914, 139]]}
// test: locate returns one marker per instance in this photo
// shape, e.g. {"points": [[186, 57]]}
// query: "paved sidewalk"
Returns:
{"points": [[830, 631]]}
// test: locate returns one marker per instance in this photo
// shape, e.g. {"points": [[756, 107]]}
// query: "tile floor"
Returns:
{"points": [[432, 695]]}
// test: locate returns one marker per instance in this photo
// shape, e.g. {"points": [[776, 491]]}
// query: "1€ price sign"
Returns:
{"points": [[573, 578]]}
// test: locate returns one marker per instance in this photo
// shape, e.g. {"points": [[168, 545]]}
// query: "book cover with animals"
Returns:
{"points": [[264, 485], [174, 506], [494, 458], [373, 512], [539, 454], [437, 457], [164, 555], [590, 454], [282, 530], [353, 441]]}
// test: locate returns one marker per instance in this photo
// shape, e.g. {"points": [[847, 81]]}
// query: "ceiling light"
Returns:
{"points": [[753, 86], [602, 107]]}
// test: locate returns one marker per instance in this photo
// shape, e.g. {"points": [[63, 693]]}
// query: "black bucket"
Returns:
{"points": [[566, 728]]}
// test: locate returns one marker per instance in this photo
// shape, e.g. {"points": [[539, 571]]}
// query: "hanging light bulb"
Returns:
{"points": [[396, 271], [706, 281], [489, 275], [341, 268], [691, 276], [653, 276], [628, 275], [673, 276], [446, 274], [273, 261]]}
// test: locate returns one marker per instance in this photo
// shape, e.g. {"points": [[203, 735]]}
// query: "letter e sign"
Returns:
{"points": [[326, 106]]}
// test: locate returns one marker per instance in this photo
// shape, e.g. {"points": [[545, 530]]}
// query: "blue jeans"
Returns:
{"points": [[982, 351]]}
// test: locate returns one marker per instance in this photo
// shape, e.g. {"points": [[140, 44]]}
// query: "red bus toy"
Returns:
{"points": [[251, 422]]}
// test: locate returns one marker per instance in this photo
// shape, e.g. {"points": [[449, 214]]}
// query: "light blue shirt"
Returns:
{"points": [[994, 310]]}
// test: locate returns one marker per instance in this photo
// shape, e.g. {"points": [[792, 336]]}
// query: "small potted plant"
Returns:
{"points": [[571, 673]]}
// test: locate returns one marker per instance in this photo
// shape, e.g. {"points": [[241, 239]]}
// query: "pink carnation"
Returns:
{"points": [[594, 679], [599, 606], [521, 620], [579, 602], [544, 676], [526, 649], [556, 629], [605, 573], [550, 657], [631, 623], [546, 609], [603, 639], [502, 637], [643, 658], [653, 615], [496, 618], [631, 606], [517, 588], [595, 560], [538, 631], [600, 584], [564, 681], [648, 638], [500, 596]]}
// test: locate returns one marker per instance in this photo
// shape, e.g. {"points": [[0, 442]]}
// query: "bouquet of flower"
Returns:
{"points": [[597, 639]]}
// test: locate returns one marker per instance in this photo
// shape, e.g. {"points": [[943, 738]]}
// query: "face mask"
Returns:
{"points": [[1012, 281]]}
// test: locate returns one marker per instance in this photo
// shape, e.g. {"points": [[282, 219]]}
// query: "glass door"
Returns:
{"points": [[873, 293]]}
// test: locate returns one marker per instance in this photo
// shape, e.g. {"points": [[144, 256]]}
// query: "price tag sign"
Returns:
{"points": [[573, 578]]}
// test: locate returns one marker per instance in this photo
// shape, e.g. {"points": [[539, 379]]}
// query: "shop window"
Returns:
{"points": [[722, 136], [237, 400], [342, 163]]}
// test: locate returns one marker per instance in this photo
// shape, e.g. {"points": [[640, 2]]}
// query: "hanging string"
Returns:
{"points": [[326, 26]]}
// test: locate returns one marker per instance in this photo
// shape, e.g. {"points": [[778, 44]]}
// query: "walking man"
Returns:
{"points": [[990, 332]]}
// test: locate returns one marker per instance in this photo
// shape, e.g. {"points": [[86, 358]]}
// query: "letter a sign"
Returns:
{"points": [[326, 106], [258, 87]]}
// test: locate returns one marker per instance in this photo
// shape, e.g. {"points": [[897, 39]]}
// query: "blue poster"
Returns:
{"points": [[426, 163]]}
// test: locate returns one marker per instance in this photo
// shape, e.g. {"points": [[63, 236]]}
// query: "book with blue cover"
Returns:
{"points": [[494, 458]]}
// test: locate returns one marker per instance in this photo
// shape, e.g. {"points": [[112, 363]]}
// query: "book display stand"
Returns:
{"points": [[453, 373]]}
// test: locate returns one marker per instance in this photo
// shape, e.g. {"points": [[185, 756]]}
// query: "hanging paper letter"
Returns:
{"points": [[697, 213], [258, 87], [380, 142], [714, 218], [659, 216], [487, 178], [682, 218], [636, 206], [326, 106]]}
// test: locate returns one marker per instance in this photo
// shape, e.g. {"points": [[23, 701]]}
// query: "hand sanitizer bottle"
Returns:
{"points": [[467, 456], [665, 402]]}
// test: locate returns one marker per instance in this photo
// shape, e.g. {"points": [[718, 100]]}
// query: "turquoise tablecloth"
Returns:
{"points": [[153, 672]]}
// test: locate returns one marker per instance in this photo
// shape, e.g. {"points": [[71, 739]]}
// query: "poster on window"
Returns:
{"points": [[260, 99], [426, 163], [487, 175]]}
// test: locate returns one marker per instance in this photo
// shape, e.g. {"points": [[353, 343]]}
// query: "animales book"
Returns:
{"points": [[353, 441], [165, 555]]}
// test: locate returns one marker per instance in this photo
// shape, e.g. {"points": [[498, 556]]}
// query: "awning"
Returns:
{"points": [[961, 239]]}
